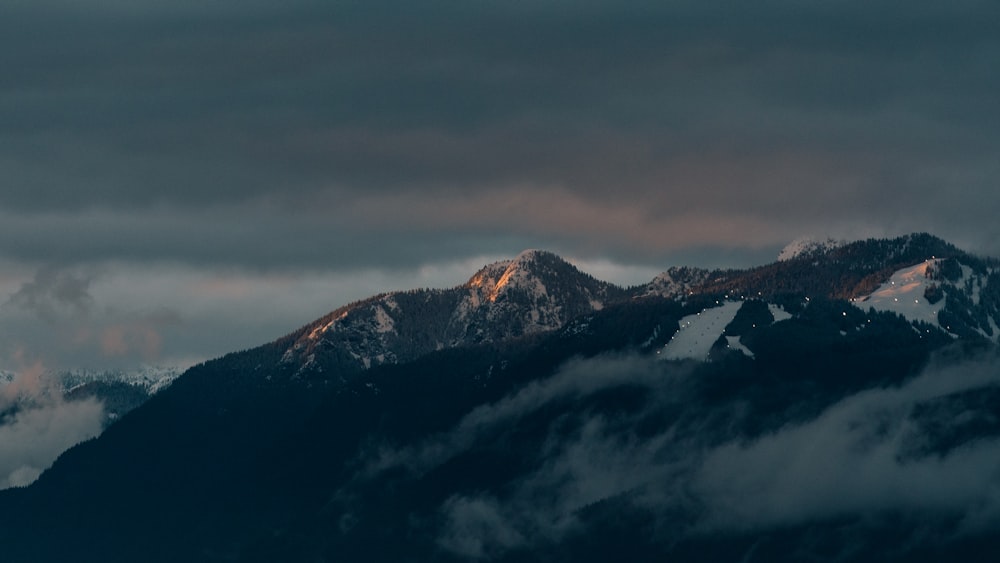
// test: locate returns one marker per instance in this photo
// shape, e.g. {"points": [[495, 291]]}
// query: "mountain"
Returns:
{"points": [[119, 391], [535, 292], [921, 277], [808, 246], [148, 379], [799, 410]]}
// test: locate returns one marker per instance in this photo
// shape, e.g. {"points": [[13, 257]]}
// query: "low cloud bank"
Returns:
{"points": [[878, 451], [866, 453]]}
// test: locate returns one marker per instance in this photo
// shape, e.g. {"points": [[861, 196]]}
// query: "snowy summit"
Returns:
{"points": [[808, 246]]}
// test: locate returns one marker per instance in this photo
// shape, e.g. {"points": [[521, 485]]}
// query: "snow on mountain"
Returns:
{"points": [[735, 343], [517, 274], [807, 246], [362, 330], [520, 285], [904, 294], [698, 332], [150, 379], [778, 313], [535, 292], [676, 282], [944, 293]]}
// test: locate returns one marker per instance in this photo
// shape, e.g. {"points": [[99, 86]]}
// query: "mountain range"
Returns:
{"points": [[119, 390], [839, 404]]}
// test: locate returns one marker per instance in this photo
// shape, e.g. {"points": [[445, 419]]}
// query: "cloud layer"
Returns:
{"points": [[653, 127], [856, 458], [874, 453]]}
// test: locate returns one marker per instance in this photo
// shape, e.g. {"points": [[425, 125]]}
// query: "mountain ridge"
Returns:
{"points": [[511, 298], [535, 292], [308, 454]]}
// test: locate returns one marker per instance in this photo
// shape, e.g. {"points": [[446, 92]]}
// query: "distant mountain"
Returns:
{"points": [[921, 277], [840, 404], [533, 293], [808, 246], [118, 390], [150, 379]]}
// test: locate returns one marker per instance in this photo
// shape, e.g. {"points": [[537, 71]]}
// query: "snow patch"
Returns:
{"points": [[676, 282], [383, 322], [699, 332], [808, 246], [970, 283], [778, 312], [735, 344], [904, 294]]}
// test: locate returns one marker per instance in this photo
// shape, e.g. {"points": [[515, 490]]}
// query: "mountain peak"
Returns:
{"points": [[808, 246], [534, 292], [525, 269], [530, 254]]}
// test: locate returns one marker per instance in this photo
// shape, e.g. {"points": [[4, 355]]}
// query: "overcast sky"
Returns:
{"points": [[185, 178]]}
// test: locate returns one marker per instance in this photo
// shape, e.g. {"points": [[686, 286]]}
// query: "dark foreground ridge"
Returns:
{"points": [[529, 415]]}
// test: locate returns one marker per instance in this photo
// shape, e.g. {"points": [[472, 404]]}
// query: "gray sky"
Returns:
{"points": [[184, 178]]}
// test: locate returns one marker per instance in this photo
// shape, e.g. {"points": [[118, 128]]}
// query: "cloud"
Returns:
{"points": [[476, 529], [141, 338], [856, 458], [171, 314], [911, 450], [33, 438], [600, 459], [36, 425], [155, 132], [27, 385], [599, 462], [64, 318], [54, 293], [578, 378]]}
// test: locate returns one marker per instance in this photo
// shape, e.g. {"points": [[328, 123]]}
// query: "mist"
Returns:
{"points": [[37, 424], [919, 450]]}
